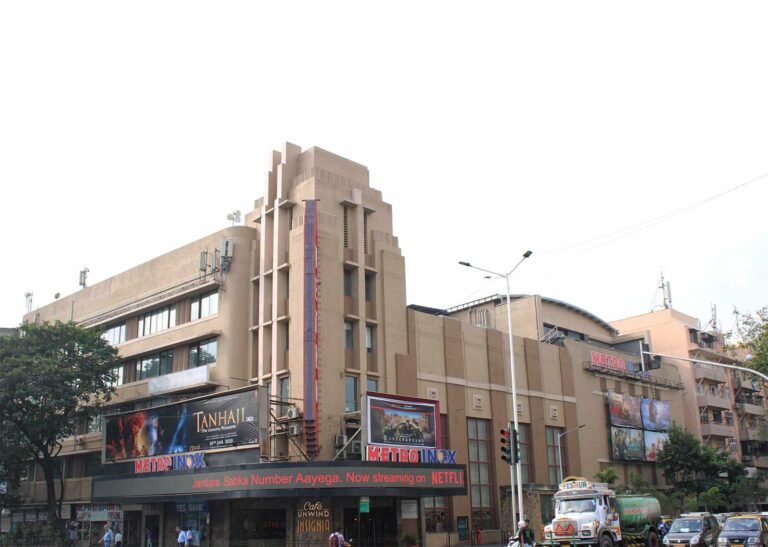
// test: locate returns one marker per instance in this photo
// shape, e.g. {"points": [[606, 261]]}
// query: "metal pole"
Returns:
{"points": [[512, 484], [734, 367], [518, 466], [559, 458]]}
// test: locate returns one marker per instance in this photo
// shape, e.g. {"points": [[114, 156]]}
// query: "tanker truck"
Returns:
{"points": [[590, 513]]}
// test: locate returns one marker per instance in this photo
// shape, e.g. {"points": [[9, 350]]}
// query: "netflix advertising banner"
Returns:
{"points": [[402, 421], [228, 420]]}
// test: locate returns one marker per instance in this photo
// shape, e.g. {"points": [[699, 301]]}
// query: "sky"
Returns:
{"points": [[615, 140]]}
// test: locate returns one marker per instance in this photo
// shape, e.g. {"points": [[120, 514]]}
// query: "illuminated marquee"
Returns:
{"points": [[410, 455], [175, 462]]}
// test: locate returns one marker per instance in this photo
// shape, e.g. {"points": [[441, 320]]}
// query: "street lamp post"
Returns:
{"points": [[560, 453], [517, 471]]}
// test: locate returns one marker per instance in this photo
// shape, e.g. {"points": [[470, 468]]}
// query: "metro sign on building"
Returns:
{"points": [[174, 462]]}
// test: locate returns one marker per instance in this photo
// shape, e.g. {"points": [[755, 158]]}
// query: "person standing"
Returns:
{"points": [[182, 537], [119, 538], [108, 536], [72, 534], [149, 536]]}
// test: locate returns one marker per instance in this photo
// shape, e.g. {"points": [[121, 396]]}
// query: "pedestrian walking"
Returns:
{"points": [[108, 536], [182, 537]]}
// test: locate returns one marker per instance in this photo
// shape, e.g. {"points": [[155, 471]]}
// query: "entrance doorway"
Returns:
{"points": [[375, 529], [152, 531]]}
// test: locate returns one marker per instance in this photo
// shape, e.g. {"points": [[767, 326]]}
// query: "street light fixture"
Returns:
{"points": [[518, 466], [559, 452]]}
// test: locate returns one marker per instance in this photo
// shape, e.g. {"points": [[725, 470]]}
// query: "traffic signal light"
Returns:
{"points": [[506, 446], [651, 362], [510, 446]]}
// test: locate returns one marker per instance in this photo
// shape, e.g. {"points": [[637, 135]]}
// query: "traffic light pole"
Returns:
{"points": [[734, 367]]}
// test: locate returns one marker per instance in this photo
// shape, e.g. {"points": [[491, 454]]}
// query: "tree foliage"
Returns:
{"points": [[607, 475], [751, 336], [53, 377]]}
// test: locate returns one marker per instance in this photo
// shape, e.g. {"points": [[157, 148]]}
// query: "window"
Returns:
{"points": [[553, 458], [437, 514], [351, 396], [119, 376], [158, 364], [93, 466], [204, 305], [157, 320], [372, 384], [202, 353], [370, 336], [694, 336], [481, 488], [347, 282], [349, 339], [284, 385], [94, 424], [369, 286], [115, 334], [524, 439]]}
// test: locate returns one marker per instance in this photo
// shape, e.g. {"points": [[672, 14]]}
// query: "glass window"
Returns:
{"points": [[157, 364], [369, 288], [204, 305], [370, 335], [349, 340], [94, 424], [115, 334], [553, 459], [480, 473], [119, 375], [372, 384], [284, 385], [93, 466], [202, 353], [347, 282], [437, 514], [157, 320], [524, 439], [351, 397]]}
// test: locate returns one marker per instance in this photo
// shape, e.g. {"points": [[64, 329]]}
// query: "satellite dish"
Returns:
{"points": [[56, 296], [234, 217]]}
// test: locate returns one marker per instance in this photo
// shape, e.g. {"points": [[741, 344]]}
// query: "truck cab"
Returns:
{"points": [[584, 511]]}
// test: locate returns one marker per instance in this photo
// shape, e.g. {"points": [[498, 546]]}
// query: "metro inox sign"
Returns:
{"points": [[175, 462]]}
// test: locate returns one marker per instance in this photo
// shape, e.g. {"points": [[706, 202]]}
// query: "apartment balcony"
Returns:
{"points": [[749, 432], [753, 407], [717, 429], [706, 372], [746, 385], [74, 490], [755, 461], [707, 400]]}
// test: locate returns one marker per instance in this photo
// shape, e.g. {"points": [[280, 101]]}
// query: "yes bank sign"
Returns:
{"points": [[409, 455], [174, 462]]}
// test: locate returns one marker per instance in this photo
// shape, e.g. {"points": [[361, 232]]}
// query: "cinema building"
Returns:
{"points": [[275, 385]]}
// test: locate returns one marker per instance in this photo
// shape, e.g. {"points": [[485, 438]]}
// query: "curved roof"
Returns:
{"points": [[499, 299]]}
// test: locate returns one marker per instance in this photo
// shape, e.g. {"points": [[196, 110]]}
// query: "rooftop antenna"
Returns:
{"points": [[28, 296], [234, 216], [84, 277], [666, 291]]}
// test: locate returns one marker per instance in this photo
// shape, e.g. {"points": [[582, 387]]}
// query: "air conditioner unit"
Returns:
{"points": [[294, 430], [356, 447], [340, 440], [292, 412]]}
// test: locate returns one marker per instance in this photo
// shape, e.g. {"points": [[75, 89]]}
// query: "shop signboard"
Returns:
{"points": [[624, 410], [313, 517], [462, 526], [365, 504], [402, 421], [627, 444], [227, 420]]}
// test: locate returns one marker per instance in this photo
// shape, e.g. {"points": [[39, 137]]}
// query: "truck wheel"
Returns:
{"points": [[606, 541], [653, 539]]}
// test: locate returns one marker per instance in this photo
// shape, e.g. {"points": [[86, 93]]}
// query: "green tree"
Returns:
{"points": [[683, 460], [751, 336], [607, 475], [53, 377]]}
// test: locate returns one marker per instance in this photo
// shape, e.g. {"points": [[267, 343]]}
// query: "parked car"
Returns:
{"points": [[693, 529], [743, 530]]}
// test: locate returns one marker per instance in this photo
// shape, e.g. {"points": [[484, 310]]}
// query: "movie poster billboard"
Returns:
{"points": [[655, 414], [217, 422], [627, 444], [654, 441], [624, 410], [402, 421]]}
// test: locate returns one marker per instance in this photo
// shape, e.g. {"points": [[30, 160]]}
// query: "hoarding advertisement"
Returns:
{"points": [[395, 421], [221, 421], [654, 442], [624, 410], [627, 444], [656, 414]]}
